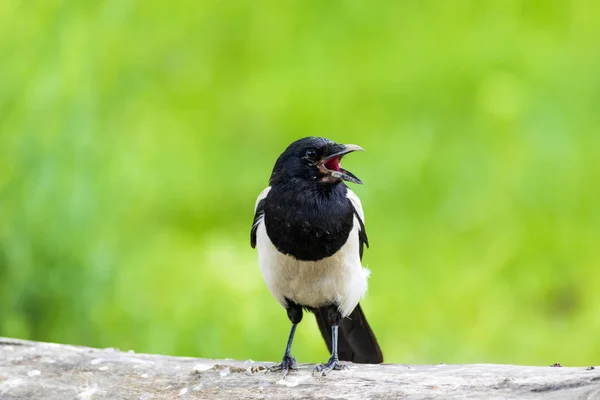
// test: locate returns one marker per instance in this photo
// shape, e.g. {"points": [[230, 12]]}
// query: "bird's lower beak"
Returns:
{"points": [[330, 165]]}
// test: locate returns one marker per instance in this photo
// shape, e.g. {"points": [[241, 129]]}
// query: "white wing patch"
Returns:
{"points": [[262, 196], [357, 204]]}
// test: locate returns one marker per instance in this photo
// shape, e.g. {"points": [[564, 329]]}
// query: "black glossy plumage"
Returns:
{"points": [[308, 223], [293, 166]]}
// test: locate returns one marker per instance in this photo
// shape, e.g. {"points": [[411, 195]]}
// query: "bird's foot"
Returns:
{"points": [[331, 365], [287, 363]]}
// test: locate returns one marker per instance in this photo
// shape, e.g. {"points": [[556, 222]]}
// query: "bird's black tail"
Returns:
{"points": [[356, 340]]}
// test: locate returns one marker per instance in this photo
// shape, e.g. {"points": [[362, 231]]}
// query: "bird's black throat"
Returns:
{"points": [[308, 221]]}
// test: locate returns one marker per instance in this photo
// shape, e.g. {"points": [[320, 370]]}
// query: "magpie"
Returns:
{"points": [[309, 231]]}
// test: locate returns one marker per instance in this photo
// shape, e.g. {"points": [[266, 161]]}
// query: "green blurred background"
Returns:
{"points": [[135, 137]]}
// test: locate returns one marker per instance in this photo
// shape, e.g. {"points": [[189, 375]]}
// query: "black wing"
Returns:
{"points": [[362, 234], [358, 211], [259, 214]]}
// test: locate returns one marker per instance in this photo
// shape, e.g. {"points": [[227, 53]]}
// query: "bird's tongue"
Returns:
{"points": [[333, 164]]}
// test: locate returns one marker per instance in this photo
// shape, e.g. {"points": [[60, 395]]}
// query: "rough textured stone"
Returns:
{"points": [[31, 370]]}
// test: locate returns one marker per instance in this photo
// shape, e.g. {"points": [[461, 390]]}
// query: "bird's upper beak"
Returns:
{"points": [[330, 164]]}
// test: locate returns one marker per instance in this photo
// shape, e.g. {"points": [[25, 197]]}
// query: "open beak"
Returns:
{"points": [[330, 165]]}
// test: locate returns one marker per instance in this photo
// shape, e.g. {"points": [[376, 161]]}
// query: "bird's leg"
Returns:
{"points": [[334, 361], [288, 362]]}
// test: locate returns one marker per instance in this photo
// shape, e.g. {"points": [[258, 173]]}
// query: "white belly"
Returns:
{"points": [[339, 279]]}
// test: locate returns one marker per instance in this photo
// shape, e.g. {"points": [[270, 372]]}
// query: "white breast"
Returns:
{"points": [[339, 279]]}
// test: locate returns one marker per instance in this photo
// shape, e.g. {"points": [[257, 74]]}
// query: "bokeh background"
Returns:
{"points": [[135, 137]]}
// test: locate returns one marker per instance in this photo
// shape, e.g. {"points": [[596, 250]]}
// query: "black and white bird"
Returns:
{"points": [[309, 231]]}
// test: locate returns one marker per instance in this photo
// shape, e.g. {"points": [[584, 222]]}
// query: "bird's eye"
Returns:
{"points": [[311, 153]]}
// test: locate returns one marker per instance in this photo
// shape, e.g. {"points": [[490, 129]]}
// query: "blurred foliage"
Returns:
{"points": [[135, 137]]}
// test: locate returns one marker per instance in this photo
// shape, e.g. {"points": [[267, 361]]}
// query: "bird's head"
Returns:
{"points": [[314, 159]]}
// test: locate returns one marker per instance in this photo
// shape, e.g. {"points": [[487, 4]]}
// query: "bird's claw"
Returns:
{"points": [[286, 364], [332, 365]]}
